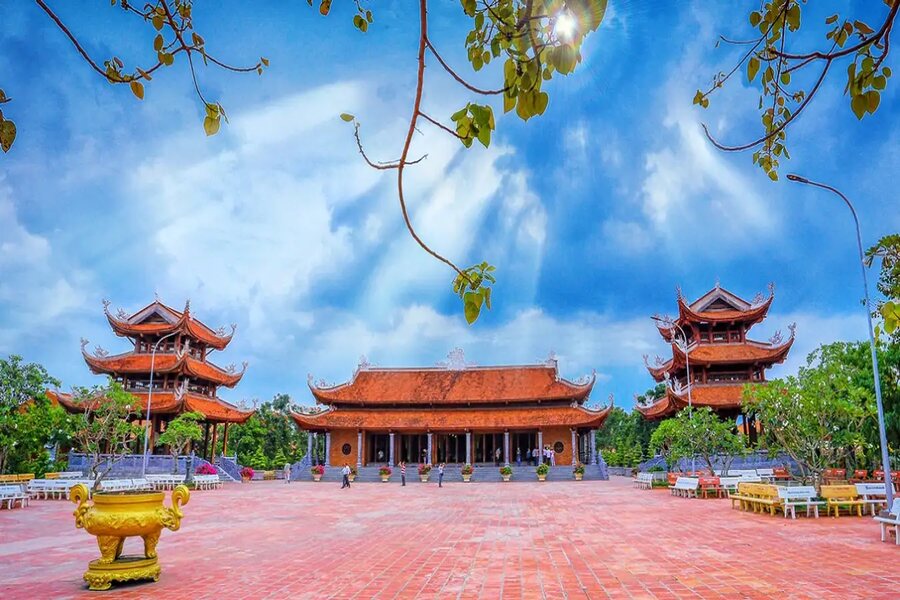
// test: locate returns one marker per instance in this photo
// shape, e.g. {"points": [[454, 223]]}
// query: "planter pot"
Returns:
{"points": [[317, 477], [506, 477], [579, 476], [245, 479], [424, 478], [385, 478], [466, 477], [542, 477], [112, 517]]}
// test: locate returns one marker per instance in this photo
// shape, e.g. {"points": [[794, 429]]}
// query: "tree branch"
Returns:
{"points": [[441, 125], [459, 79]]}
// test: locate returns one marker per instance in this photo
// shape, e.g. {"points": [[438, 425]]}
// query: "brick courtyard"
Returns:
{"points": [[522, 540]]}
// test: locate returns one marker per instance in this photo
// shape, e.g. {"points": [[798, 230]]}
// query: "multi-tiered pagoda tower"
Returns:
{"points": [[720, 356], [183, 379]]}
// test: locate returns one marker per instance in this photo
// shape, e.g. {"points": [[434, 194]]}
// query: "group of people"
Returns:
{"points": [[345, 474], [536, 456]]}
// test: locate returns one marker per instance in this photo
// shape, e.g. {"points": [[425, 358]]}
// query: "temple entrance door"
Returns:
{"points": [[450, 447], [524, 441], [378, 448], [413, 448], [486, 445]]}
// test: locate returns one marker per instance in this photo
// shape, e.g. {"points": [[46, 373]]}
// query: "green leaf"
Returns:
{"points": [[752, 68], [509, 103], [472, 306], [157, 22], [873, 98], [158, 42], [347, 117], [831, 20], [540, 103], [487, 297], [210, 126], [755, 18], [859, 105], [325, 7]]}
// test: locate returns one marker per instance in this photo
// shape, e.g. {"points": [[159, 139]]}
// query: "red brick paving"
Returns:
{"points": [[488, 540]]}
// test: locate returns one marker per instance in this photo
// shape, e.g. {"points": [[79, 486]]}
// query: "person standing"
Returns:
{"points": [[287, 472], [519, 457], [345, 472], [497, 456], [402, 473], [534, 456], [552, 457], [441, 475]]}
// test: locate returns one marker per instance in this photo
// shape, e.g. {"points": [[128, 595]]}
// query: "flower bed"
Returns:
{"points": [[206, 469]]}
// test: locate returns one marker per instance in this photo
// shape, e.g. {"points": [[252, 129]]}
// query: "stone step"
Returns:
{"points": [[454, 473]]}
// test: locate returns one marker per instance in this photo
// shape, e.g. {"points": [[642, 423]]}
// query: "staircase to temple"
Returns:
{"points": [[454, 473]]}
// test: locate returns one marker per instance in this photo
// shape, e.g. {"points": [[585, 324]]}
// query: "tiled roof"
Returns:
{"points": [[447, 419], [470, 385], [666, 406], [722, 354], [185, 364], [717, 396], [173, 320], [215, 409], [741, 312]]}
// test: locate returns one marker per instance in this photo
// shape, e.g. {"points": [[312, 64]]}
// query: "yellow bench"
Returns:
{"points": [[757, 496], [16, 478], [837, 496], [268, 475], [51, 475]]}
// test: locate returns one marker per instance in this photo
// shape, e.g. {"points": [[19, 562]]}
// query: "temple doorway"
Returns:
{"points": [[450, 447], [524, 442], [486, 446], [413, 448], [378, 448]]}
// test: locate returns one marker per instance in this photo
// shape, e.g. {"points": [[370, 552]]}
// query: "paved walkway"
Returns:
{"points": [[519, 540]]}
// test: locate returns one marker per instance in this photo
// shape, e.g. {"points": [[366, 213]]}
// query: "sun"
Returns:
{"points": [[565, 25]]}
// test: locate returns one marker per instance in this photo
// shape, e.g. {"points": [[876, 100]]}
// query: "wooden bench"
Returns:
{"points": [[834, 476], [800, 495], [12, 493], [17, 478], [837, 496], [710, 485], [891, 519], [781, 473], [686, 487], [756, 496]]}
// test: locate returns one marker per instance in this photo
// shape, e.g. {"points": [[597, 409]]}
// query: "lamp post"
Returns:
{"points": [[682, 344], [885, 459], [149, 402]]}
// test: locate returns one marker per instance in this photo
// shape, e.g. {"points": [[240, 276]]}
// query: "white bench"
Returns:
{"points": [[766, 474], [730, 484], [892, 520], [12, 493], [686, 487], [643, 481], [874, 494], [70, 475], [165, 482], [52, 488], [207, 482], [800, 495]]}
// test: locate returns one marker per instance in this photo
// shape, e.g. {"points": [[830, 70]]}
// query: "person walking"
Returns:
{"points": [[497, 456], [345, 472], [519, 457], [552, 457], [287, 472], [441, 475], [534, 456], [402, 473]]}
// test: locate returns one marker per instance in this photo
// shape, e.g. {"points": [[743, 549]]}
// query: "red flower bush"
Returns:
{"points": [[206, 469], [385, 470], [424, 469], [247, 472], [318, 470]]}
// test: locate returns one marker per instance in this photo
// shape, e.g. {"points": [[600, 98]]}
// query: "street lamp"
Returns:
{"points": [[149, 402], [885, 459], [682, 344]]}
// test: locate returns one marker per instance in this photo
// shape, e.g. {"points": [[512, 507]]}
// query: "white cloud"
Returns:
{"points": [[18, 246]]}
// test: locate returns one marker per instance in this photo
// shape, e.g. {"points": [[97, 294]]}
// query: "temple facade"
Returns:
{"points": [[453, 413], [709, 339], [175, 347]]}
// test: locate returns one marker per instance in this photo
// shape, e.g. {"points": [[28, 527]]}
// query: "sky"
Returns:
{"points": [[592, 213]]}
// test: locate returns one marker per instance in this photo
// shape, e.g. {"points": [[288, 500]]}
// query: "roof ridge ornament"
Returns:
{"points": [[363, 363], [678, 293], [776, 339], [552, 360], [718, 283], [456, 360], [84, 343], [187, 308], [100, 352]]}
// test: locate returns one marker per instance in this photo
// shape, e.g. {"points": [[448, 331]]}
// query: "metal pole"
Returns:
{"points": [[149, 402], [885, 458]]}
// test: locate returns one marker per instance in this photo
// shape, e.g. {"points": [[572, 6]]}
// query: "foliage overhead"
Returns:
{"points": [[788, 80], [888, 250]]}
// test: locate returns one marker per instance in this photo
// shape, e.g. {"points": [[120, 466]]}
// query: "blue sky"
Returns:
{"points": [[592, 213]]}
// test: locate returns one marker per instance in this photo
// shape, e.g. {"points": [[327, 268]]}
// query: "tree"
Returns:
{"points": [[888, 250], [818, 417], [535, 42], [27, 420], [181, 431], [789, 80], [699, 431], [664, 440], [104, 429]]}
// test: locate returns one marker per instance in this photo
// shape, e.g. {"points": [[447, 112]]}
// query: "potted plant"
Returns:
{"points": [[578, 471], [424, 472], [106, 424], [353, 473], [542, 470], [385, 473], [206, 469], [506, 472], [247, 474], [317, 472], [467, 472]]}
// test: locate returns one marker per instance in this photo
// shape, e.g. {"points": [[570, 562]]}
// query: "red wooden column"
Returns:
{"points": [[225, 440], [212, 451]]}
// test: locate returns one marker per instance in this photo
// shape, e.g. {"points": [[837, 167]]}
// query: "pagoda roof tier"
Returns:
{"points": [[715, 395], [157, 319], [716, 354], [215, 410], [718, 305], [452, 419], [181, 364], [454, 386]]}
